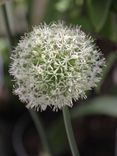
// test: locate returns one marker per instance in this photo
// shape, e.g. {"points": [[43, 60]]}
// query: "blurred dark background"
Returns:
{"points": [[94, 119]]}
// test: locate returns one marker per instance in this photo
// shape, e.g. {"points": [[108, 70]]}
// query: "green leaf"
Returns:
{"points": [[99, 106], [51, 14], [85, 23], [109, 30], [63, 5], [114, 6], [111, 59], [98, 12], [79, 2]]}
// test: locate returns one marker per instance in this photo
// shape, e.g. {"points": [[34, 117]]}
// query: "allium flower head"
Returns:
{"points": [[53, 65]]}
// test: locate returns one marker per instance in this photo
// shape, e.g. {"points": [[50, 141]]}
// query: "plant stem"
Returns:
{"points": [[40, 131], [29, 3], [6, 19], [69, 131]]}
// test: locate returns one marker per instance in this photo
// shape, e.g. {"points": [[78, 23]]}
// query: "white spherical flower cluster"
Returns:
{"points": [[53, 65]]}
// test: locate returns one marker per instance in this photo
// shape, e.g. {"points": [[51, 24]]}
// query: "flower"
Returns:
{"points": [[54, 64]]}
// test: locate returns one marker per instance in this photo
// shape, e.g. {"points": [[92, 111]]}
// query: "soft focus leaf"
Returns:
{"points": [[79, 2], [109, 62], [114, 5], [85, 23], [58, 140], [63, 5], [109, 30], [3, 1], [51, 13], [98, 12], [99, 106]]}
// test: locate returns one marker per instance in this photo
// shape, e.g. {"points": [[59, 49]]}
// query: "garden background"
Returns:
{"points": [[94, 119]]}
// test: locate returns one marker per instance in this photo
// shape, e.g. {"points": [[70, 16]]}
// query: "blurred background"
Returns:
{"points": [[94, 119]]}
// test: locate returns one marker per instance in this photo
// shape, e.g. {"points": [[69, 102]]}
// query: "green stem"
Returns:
{"points": [[6, 19], [30, 3], [40, 131], [69, 131]]}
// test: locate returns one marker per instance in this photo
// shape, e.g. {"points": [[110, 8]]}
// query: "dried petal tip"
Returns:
{"points": [[53, 65]]}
